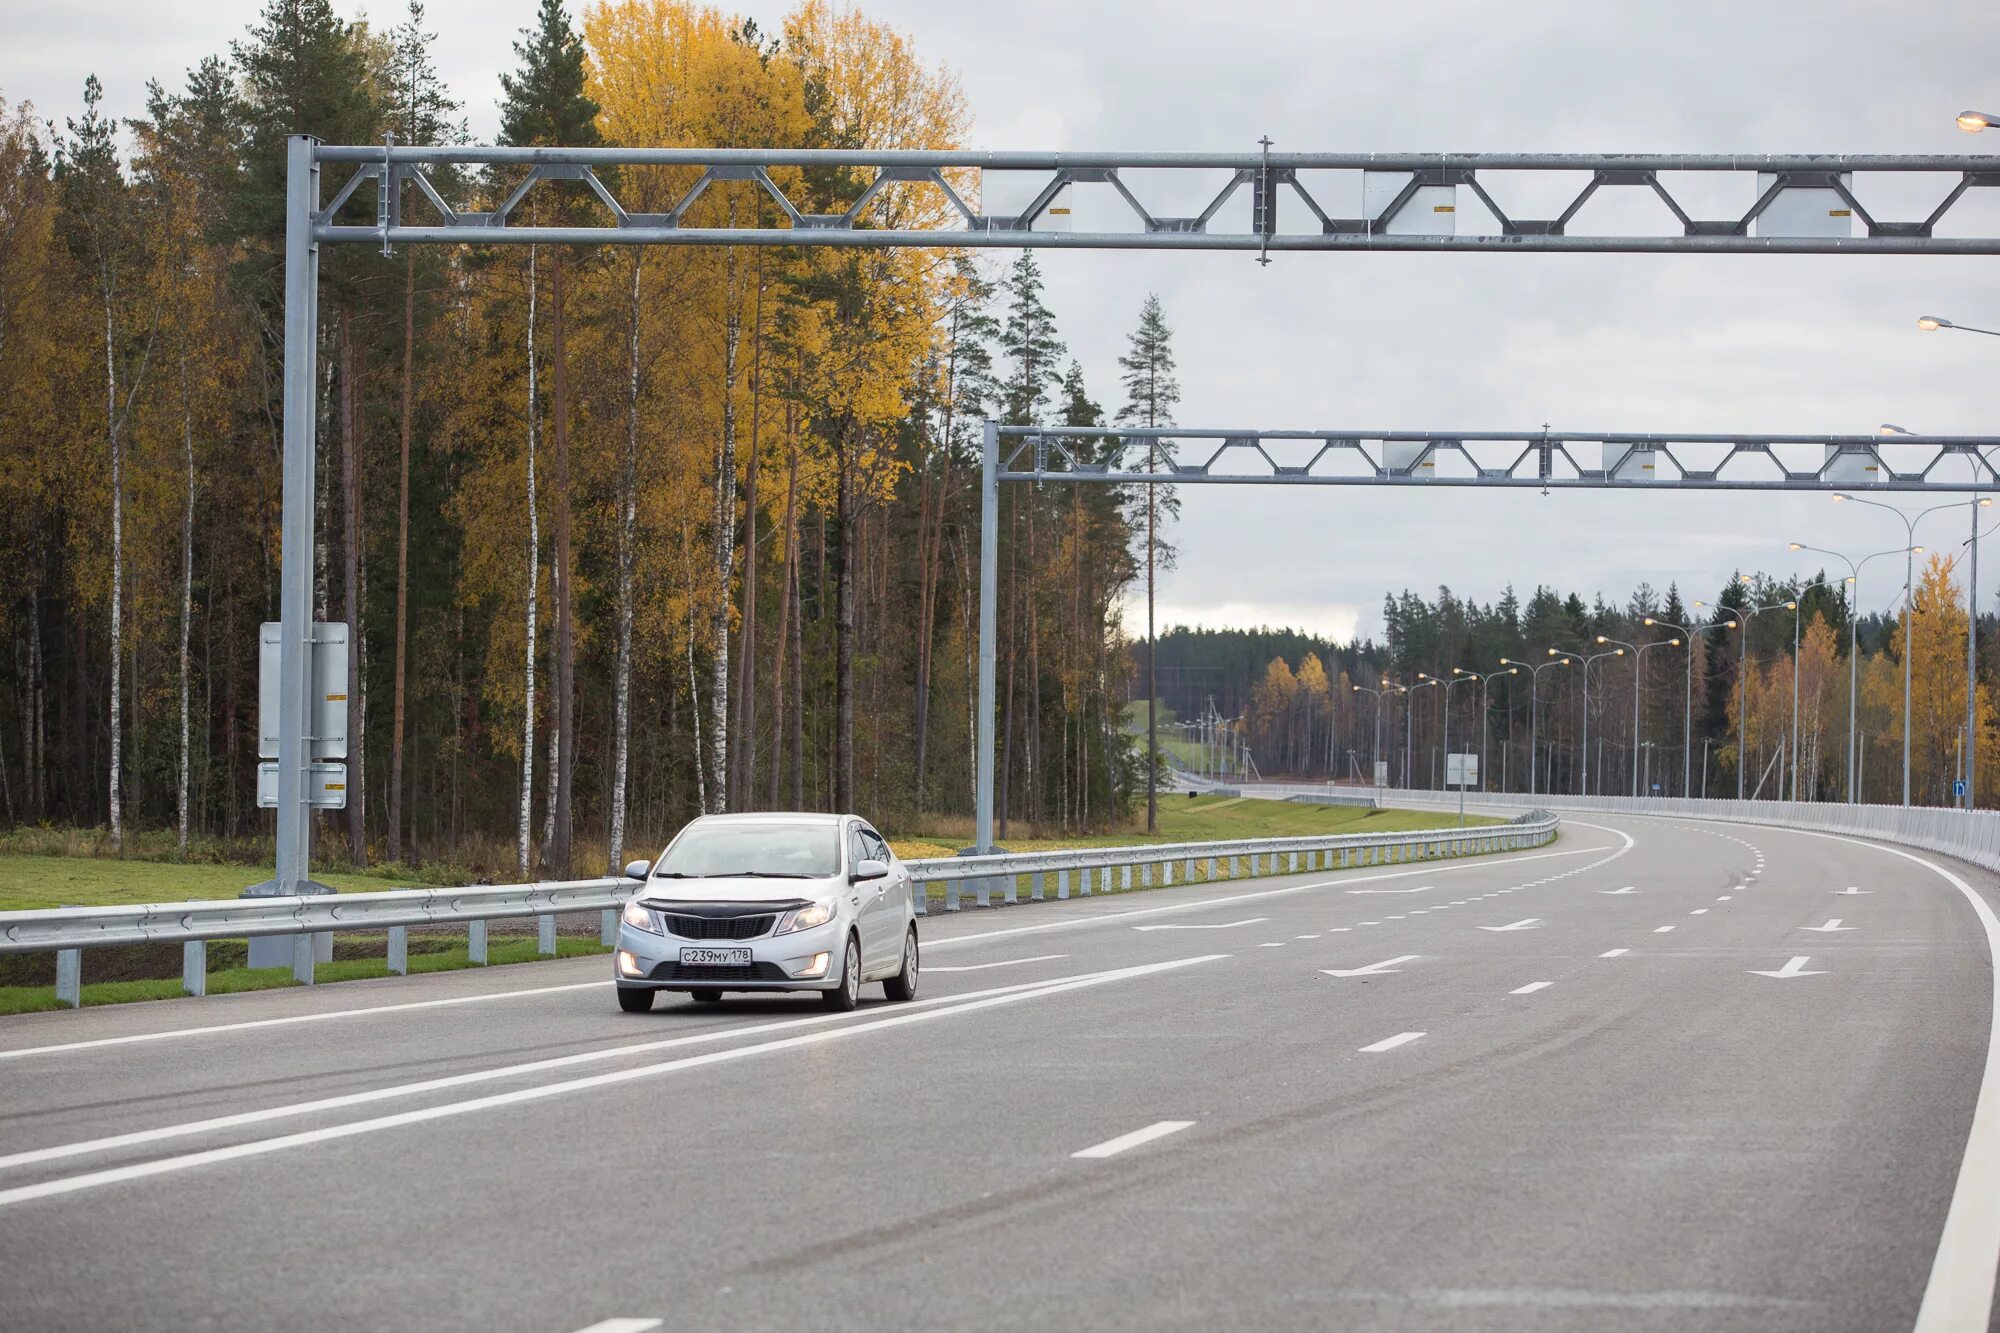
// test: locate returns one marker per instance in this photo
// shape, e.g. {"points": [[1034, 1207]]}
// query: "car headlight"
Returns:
{"points": [[805, 918], [640, 918]]}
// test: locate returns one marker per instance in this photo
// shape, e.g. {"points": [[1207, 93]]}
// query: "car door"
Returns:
{"points": [[900, 900], [879, 939]]}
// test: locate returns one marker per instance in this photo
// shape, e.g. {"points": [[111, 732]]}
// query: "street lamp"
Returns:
{"points": [[1743, 682], [1853, 580], [1587, 660], [1909, 592], [1687, 706], [1485, 729], [1932, 323], [1535, 706], [1375, 759], [1638, 676], [1972, 122], [1410, 728]]}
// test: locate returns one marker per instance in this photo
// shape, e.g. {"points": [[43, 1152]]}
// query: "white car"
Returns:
{"points": [[769, 902]]}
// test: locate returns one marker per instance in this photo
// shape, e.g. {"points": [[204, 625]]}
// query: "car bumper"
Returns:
{"points": [[777, 962]]}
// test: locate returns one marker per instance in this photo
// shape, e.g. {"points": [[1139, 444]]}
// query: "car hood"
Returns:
{"points": [[737, 890]]}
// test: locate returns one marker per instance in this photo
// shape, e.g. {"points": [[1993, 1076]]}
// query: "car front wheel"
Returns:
{"points": [[903, 986], [848, 993], [635, 999]]}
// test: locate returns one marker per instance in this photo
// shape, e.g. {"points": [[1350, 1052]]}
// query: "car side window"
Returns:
{"points": [[876, 847], [857, 848]]}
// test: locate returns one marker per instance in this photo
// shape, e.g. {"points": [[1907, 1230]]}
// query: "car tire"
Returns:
{"points": [[708, 996], [848, 993], [903, 986], [635, 999]]}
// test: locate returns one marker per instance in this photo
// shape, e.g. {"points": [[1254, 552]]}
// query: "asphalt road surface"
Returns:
{"points": [[1661, 1075]]}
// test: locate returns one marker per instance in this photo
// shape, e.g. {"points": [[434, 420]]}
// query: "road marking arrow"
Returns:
{"points": [[1219, 925], [1618, 892], [1833, 924], [1790, 970], [1373, 969], [1528, 924]]}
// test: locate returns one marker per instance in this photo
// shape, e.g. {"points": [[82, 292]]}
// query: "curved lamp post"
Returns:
{"points": [[1638, 676], [1687, 706], [1743, 681], [1387, 687], [1410, 727], [1853, 581], [1535, 706], [1972, 122], [1587, 660]]}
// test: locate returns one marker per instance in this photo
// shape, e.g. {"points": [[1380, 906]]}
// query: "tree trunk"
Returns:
{"points": [[628, 512], [788, 583], [744, 734], [843, 600], [1152, 653], [562, 748], [524, 827], [350, 501], [116, 794], [725, 546], [187, 600], [395, 845]]}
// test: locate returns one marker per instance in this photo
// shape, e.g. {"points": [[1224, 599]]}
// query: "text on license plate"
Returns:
{"points": [[715, 958]]}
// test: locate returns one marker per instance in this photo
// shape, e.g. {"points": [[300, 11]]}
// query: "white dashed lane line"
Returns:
{"points": [[1137, 1138], [1531, 988], [1390, 1043], [1614, 953]]}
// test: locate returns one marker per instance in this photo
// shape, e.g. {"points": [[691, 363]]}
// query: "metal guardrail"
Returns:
{"points": [[1972, 836], [69, 930]]}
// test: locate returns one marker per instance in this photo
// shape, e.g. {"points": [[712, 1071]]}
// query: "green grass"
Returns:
{"points": [[228, 981], [87, 881]]}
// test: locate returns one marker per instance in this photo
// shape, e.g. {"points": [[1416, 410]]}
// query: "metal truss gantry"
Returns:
{"points": [[1260, 201]]}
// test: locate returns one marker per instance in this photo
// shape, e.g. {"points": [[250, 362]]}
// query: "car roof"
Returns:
{"points": [[777, 817]]}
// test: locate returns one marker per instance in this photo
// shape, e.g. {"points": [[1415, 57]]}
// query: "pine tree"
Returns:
{"points": [[545, 105], [1030, 341], [1151, 394]]}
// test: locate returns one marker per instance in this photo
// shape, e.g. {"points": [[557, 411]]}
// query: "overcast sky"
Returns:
{"points": [[1411, 341]]}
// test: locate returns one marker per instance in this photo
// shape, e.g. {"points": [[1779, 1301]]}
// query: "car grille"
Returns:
{"points": [[719, 927], [673, 971]]}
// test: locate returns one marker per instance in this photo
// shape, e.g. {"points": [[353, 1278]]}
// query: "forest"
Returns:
{"points": [[1719, 700], [619, 535]]}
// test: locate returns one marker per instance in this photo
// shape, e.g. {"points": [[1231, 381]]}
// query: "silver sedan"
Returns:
{"points": [[769, 902]]}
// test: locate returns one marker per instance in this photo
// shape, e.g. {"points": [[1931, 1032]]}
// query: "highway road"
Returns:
{"points": [[1661, 1075]]}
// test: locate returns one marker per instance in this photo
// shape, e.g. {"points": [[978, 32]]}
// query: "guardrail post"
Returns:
{"points": [[1035, 887], [985, 892], [1295, 863], [1086, 881], [69, 977], [607, 923], [194, 967], [1187, 871], [545, 935], [1012, 894], [1062, 884], [1145, 876], [475, 941], [1166, 872], [1211, 870], [951, 895], [304, 946], [1235, 867], [399, 950]]}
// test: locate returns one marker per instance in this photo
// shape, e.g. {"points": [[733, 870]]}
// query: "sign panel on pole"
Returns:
{"points": [[329, 687], [1381, 772], [1461, 770], [326, 785]]}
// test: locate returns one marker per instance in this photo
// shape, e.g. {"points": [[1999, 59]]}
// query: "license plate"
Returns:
{"points": [[715, 958]]}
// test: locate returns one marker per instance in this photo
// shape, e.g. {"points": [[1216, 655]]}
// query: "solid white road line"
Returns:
{"points": [[1272, 944], [1007, 962], [261, 1147], [60, 1047], [1112, 1147], [1386, 1044], [1531, 988], [1614, 953], [623, 1326], [1201, 925], [372, 1095]]}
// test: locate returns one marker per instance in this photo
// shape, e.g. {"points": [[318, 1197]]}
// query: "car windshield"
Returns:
{"points": [[786, 850]]}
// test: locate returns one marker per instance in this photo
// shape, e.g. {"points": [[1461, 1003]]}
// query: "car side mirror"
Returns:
{"points": [[638, 869], [869, 869]]}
